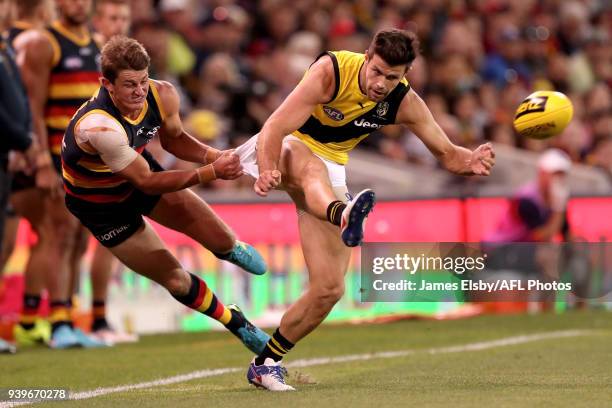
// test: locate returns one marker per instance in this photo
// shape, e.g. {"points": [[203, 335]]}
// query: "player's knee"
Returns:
{"points": [[329, 295], [82, 239], [313, 170], [45, 231], [177, 283], [223, 244]]}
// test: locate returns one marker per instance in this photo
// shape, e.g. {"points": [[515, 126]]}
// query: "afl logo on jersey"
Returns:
{"points": [[73, 63], [382, 109], [85, 51], [333, 113]]}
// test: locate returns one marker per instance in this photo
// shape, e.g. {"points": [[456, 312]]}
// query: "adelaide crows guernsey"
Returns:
{"points": [[16, 28], [85, 175], [336, 127], [74, 79]]}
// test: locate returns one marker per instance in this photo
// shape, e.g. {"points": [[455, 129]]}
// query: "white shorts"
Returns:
{"points": [[337, 172]]}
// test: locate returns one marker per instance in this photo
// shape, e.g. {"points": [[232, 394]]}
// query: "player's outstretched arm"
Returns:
{"points": [[414, 114], [99, 135], [315, 88], [173, 136]]}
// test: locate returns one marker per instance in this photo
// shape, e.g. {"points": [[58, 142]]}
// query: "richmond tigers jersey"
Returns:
{"points": [[336, 127], [85, 175], [74, 78]]}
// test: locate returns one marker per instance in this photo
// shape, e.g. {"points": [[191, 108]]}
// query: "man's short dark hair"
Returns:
{"points": [[395, 47], [123, 53]]}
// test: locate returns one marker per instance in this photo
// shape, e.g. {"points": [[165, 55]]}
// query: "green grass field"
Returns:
{"points": [[557, 371]]}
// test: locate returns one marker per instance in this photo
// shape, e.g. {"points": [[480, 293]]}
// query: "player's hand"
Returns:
{"points": [[268, 180], [482, 160], [47, 179], [18, 162], [227, 166]]}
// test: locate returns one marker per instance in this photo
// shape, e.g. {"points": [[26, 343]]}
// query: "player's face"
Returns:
{"points": [[130, 90], [381, 78], [113, 19], [5, 13], [76, 12]]}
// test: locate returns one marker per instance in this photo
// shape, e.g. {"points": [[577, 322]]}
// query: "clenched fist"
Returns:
{"points": [[227, 166], [268, 180], [482, 160]]}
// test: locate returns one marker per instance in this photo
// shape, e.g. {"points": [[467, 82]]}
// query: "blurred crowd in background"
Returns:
{"points": [[235, 61]]}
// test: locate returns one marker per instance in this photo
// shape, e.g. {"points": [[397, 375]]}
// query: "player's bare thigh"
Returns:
{"points": [[146, 254], [298, 163], [302, 169], [185, 212], [47, 214]]}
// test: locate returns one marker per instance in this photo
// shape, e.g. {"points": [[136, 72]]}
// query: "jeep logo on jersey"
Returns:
{"points": [[382, 109], [366, 124], [333, 113], [73, 63], [150, 132]]}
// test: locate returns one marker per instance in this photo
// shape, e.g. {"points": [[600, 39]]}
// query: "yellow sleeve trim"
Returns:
{"points": [[157, 98], [57, 51]]}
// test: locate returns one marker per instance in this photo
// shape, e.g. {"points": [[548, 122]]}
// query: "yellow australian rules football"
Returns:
{"points": [[543, 114]]}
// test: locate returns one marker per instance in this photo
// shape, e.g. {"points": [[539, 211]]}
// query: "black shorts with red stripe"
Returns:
{"points": [[113, 223]]}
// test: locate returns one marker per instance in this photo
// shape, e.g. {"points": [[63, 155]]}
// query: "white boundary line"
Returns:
{"points": [[483, 345]]}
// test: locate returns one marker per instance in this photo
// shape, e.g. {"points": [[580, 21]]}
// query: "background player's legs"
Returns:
{"points": [[9, 237], [101, 269], [11, 225], [146, 254], [81, 239], [42, 263]]}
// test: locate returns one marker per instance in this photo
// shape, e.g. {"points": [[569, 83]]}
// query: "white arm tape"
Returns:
{"points": [[112, 145]]}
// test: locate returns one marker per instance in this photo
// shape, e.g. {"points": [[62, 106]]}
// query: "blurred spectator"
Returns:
{"points": [[236, 60]]}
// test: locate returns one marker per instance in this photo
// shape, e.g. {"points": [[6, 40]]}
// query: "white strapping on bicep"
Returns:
{"points": [[111, 144]]}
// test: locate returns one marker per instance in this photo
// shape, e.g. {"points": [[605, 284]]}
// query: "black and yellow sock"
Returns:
{"points": [[334, 212], [29, 311], [98, 314], [60, 314], [275, 349]]}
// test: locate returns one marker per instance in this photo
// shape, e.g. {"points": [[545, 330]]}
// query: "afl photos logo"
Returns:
{"points": [[531, 105], [333, 113]]}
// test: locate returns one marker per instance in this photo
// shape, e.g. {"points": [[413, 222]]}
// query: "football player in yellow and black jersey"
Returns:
{"points": [[111, 182], [303, 147]]}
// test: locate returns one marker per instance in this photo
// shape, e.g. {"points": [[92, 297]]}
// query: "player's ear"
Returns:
{"points": [[106, 84]]}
